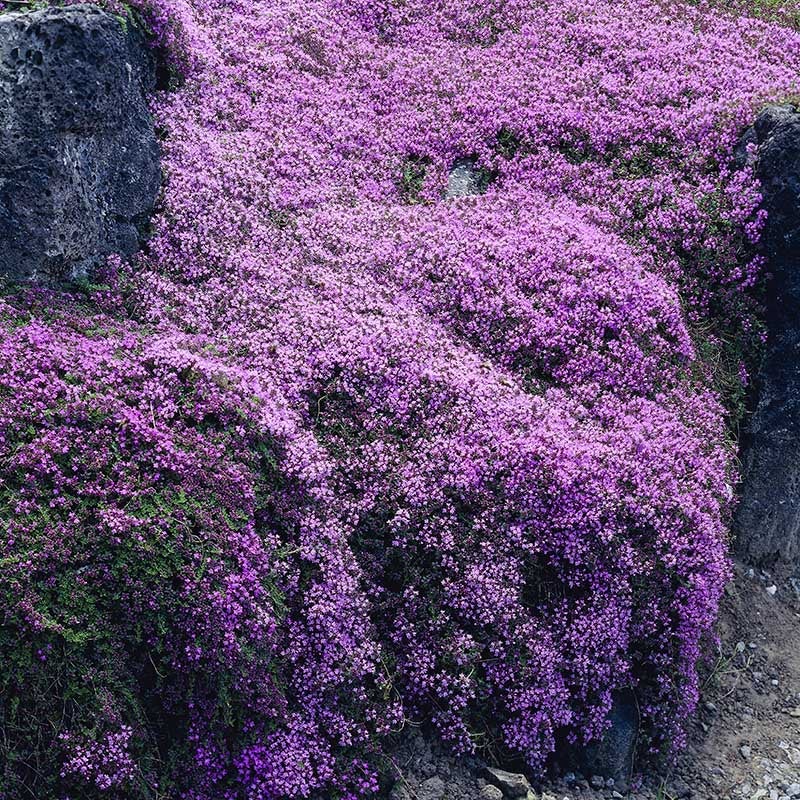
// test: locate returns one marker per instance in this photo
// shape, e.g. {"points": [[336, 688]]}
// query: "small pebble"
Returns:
{"points": [[772, 590], [597, 782], [746, 751], [490, 792]]}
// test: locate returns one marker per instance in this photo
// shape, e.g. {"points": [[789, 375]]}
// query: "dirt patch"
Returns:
{"points": [[746, 739]]}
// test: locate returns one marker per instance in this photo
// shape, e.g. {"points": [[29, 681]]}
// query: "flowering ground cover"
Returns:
{"points": [[337, 452]]}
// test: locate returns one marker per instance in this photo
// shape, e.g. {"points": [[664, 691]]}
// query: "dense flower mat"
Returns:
{"points": [[337, 452]]}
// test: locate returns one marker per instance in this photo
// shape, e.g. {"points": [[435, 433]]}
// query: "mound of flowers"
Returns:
{"points": [[340, 451]]}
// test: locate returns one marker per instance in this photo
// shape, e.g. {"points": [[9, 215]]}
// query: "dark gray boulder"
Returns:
{"points": [[768, 518], [79, 159], [613, 756]]}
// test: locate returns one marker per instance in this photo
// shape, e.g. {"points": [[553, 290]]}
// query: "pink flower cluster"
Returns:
{"points": [[339, 451], [103, 764]]}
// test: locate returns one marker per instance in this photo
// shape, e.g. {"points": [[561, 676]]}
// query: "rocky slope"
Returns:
{"points": [[412, 414]]}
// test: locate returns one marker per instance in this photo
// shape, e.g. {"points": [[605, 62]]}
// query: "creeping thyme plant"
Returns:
{"points": [[336, 452]]}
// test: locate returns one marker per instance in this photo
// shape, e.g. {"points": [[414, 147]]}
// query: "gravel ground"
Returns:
{"points": [[743, 745]]}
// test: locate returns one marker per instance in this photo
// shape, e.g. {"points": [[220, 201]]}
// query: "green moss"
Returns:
{"points": [[508, 143], [412, 178]]}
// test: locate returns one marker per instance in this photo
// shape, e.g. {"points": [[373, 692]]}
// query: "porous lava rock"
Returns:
{"points": [[79, 158], [768, 518]]}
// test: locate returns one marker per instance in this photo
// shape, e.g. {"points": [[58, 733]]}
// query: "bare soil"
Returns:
{"points": [[745, 742]]}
